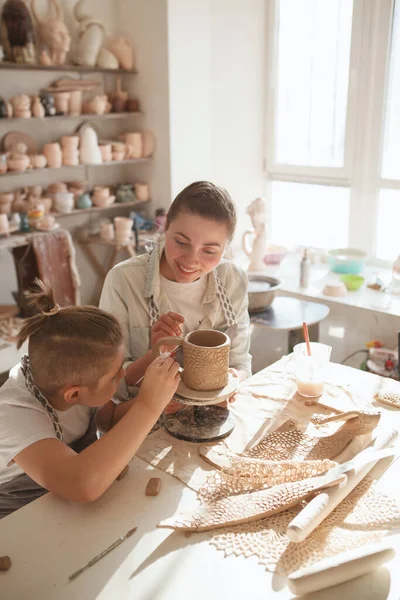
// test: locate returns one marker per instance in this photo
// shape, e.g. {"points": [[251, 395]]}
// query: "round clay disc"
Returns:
{"points": [[195, 397]]}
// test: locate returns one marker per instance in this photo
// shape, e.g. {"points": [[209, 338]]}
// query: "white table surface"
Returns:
{"points": [[51, 538]]}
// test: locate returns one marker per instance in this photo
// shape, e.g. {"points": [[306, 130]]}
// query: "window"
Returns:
{"points": [[333, 124]]}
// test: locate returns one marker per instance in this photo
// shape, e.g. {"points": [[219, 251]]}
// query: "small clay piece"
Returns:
{"points": [[123, 473], [153, 486], [5, 563], [390, 398], [16, 32]]}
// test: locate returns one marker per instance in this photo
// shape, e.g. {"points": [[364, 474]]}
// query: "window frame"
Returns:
{"points": [[364, 134]]}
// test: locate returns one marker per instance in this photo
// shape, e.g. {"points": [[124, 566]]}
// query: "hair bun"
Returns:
{"points": [[42, 298]]}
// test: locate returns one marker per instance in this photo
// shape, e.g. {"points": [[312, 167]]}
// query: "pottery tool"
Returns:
{"points": [[307, 338], [98, 557], [342, 567], [171, 355], [322, 505]]}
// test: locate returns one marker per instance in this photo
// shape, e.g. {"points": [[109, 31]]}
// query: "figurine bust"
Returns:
{"points": [[258, 214], [54, 34]]}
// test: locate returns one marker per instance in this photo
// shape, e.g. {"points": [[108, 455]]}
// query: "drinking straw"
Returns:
{"points": [[307, 338]]}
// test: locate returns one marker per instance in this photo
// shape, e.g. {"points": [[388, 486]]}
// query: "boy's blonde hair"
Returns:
{"points": [[68, 346]]}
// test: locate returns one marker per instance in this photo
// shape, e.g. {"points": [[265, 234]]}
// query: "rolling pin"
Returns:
{"points": [[322, 505], [343, 567]]}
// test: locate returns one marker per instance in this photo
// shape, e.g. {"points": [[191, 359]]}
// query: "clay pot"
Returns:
{"points": [[46, 222], [70, 158], [117, 155], [75, 102], [97, 105], [106, 153], [35, 191], [101, 192], [106, 59], [37, 107], [90, 151], [135, 142], [70, 142], [118, 105], [142, 192], [53, 188], [19, 204], [132, 105], [77, 188], [122, 49], [53, 155], [3, 164], [123, 230], [47, 100], [205, 359], [38, 161], [18, 160], [84, 201], [64, 202], [21, 106], [6, 200], [62, 102], [103, 202]]}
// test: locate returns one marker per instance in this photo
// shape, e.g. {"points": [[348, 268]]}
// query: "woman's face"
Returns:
{"points": [[194, 246]]}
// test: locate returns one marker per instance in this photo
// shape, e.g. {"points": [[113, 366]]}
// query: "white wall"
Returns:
{"points": [[216, 75]]}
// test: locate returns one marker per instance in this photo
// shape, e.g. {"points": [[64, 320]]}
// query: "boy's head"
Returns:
{"points": [[200, 223], [74, 352]]}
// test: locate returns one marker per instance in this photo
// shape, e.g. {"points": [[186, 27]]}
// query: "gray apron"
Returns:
{"points": [[22, 489]]}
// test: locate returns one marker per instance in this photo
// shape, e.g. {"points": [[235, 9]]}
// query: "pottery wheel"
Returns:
{"points": [[200, 423]]}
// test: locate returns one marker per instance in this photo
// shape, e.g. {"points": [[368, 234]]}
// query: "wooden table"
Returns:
{"points": [[50, 538], [288, 314]]}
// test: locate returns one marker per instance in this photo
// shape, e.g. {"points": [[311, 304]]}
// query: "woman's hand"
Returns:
{"points": [[169, 324]]}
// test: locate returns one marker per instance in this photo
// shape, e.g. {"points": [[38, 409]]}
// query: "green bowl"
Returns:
{"points": [[352, 282]]}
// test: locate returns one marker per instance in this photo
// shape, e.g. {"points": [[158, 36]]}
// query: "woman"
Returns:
{"points": [[184, 283]]}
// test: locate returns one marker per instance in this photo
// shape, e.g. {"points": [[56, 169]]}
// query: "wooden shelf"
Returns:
{"points": [[62, 68], [132, 161], [94, 209], [109, 116]]}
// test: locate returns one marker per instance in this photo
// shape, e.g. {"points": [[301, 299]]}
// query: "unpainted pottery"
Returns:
{"points": [[53, 155], [122, 49], [54, 33], [37, 108], [91, 33], [205, 358]]}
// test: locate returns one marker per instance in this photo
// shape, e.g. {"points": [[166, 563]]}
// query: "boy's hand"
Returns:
{"points": [[169, 324], [160, 383]]}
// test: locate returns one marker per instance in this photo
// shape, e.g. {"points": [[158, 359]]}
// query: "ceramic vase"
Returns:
{"points": [[53, 155]]}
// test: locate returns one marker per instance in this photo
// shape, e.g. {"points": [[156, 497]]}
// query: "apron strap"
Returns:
{"points": [[26, 370], [227, 307]]}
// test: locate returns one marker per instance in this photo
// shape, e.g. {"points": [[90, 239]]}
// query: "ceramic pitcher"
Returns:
{"points": [[205, 358]]}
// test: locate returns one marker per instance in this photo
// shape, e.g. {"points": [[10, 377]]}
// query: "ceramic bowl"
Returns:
{"points": [[352, 282], [337, 289], [348, 261], [261, 291], [274, 255]]}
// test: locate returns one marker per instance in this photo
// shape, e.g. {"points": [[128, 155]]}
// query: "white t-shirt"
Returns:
{"points": [[186, 299], [24, 421]]}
